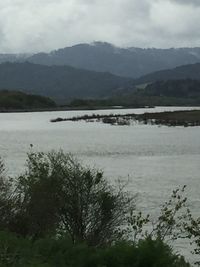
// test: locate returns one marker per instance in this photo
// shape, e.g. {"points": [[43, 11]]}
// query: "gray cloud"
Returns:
{"points": [[43, 25], [187, 2]]}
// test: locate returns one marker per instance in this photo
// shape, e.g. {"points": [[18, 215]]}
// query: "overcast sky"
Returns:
{"points": [[43, 25]]}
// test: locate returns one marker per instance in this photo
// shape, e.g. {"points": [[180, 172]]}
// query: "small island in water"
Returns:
{"points": [[168, 118]]}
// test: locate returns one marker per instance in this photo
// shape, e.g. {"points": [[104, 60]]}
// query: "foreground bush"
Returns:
{"points": [[56, 194], [21, 252], [60, 209]]}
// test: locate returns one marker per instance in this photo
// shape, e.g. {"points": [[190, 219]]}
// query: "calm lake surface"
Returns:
{"points": [[154, 159]]}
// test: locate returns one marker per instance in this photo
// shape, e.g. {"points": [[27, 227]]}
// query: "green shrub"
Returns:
{"points": [[60, 213], [57, 193], [21, 252]]}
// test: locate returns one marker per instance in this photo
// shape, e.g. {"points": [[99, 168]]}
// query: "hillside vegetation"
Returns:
{"points": [[184, 92], [11, 100], [191, 71], [64, 84], [59, 213], [174, 88], [181, 92], [61, 83]]}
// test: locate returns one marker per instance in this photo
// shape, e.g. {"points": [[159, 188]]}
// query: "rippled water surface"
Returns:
{"points": [[154, 159]]}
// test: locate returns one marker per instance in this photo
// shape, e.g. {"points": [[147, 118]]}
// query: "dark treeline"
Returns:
{"points": [[60, 213], [14, 100], [133, 100], [174, 118], [185, 92]]}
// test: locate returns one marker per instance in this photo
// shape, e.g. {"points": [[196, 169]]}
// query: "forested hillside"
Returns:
{"points": [[184, 92], [11, 100], [191, 71], [62, 83], [186, 88]]}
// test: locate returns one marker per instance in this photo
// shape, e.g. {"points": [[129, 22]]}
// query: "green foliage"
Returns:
{"points": [[175, 221], [71, 198], [19, 100], [61, 213], [172, 215], [20, 252], [168, 225], [7, 199], [191, 227]]}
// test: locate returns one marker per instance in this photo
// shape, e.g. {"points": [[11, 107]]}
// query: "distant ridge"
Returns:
{"points": [[129, 62], [104, 57], [191, 71]]}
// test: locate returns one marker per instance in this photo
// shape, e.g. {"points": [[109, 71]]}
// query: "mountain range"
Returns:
{"points": [[86, 72], [104, 57]]}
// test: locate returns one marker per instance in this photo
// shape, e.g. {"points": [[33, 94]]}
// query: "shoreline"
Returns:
{"points": [[83, 108], [68, 109]]}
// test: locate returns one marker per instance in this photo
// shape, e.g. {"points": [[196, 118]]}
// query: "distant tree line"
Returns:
{"points": [[185, 92], [19, 100]]}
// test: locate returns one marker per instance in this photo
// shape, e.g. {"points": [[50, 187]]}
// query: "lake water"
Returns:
{"points": [[154, 159]]}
